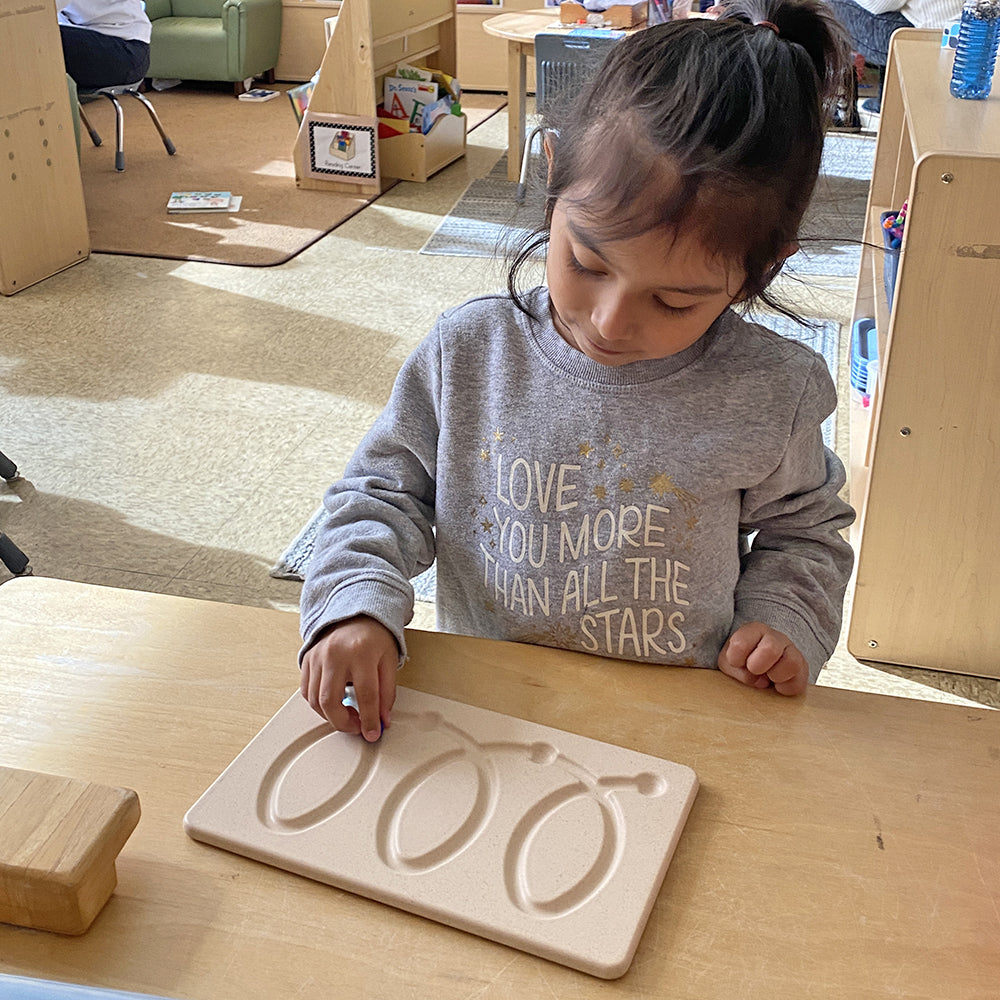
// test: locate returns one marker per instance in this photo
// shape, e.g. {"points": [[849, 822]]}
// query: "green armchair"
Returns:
{"points": [[231, 40]]}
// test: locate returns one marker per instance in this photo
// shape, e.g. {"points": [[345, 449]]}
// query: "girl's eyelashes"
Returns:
{"points": [[582, 269], [575, 264], [673, 310]]}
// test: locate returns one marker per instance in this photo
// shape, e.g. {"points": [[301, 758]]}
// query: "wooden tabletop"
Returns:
{"points": [[523, 25], [842, 845]]}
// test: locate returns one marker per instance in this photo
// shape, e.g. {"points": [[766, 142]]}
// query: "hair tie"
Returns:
{"points": [[768, 24]]}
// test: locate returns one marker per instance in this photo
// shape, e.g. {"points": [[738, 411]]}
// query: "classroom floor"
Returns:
{"points": [[176, 423]]}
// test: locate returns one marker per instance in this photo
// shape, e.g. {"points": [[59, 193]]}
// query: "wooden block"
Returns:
{"points": [[619, 15], [59, 838]]}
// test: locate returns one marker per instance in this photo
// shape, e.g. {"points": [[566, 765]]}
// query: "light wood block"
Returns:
{"points": [[59, 838]]}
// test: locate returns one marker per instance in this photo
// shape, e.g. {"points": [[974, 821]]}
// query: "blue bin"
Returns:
{"points": [[864, 349]]}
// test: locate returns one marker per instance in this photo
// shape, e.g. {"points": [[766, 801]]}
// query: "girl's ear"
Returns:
{"points": [[791, 247]]}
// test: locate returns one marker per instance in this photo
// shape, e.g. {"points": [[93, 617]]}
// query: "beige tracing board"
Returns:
{"points": [[543, 840]]}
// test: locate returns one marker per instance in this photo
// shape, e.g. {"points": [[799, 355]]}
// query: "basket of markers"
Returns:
{"points": [[892, 235]]}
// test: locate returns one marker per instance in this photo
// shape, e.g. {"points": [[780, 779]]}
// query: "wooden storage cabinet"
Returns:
{"points": [[925, 456], [303, 38], [482, 58]]}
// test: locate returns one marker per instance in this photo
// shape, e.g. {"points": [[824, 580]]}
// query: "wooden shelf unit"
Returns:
{"points": [[303, 38], [482, 58], [925, 455], [370, 39]]}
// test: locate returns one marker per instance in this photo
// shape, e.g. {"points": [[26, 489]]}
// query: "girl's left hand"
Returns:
{"points": [[760, 656]]}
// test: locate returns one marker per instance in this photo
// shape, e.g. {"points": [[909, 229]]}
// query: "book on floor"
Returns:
{"points": [[199, 201], [258, 94]]}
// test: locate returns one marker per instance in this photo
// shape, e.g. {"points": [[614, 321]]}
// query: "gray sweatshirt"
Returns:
{"points": [[594, 508]]}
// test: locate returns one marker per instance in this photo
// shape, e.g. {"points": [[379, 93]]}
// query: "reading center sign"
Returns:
{"points": [[342, 146]]}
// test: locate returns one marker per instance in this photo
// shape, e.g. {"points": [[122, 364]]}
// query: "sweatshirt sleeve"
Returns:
{"points": [[795, 574], [379, 533]]}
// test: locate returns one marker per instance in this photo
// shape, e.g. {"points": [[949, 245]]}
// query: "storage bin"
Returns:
{"points": [[864, 357], [415, 157], [890, 262]]}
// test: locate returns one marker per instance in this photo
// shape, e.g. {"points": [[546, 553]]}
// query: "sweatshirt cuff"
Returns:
{"points": [[390, 606], [792, 624]]}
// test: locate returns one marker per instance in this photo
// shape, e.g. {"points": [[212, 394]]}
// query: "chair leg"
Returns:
{"points": [[95, 137], [13, 558], [522, 182], [119, 132], [8, 470], [167, 144]]}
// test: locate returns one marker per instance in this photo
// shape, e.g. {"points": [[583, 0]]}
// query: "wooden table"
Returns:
{"points": [[842, 845]]}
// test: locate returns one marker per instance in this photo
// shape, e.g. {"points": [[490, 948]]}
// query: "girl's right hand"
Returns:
{"points": [[358, 651]]}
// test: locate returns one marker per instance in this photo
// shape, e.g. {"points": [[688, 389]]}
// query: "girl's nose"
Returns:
{"points": [[612, 317]]}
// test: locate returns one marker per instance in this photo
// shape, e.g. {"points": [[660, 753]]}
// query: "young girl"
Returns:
{"points": [[587, 460]]}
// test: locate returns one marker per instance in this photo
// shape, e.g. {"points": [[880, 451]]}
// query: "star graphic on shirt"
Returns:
{"points": [[618, 451], [692, 523], [600, 464], [662, 484], [498, 435], [626, 485], [600, 492], [487, 525], [585, 449], [482, 499], [484, 454]]}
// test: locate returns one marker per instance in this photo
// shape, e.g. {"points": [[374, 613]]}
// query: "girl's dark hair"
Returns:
{"points": [[715, 124]]}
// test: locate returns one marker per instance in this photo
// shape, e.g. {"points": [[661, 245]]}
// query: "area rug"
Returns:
{"points": [[223, 144], [821, 335], [487, 219]]}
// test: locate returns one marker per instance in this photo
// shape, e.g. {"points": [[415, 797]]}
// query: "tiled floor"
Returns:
{"points": [[176, 423]]}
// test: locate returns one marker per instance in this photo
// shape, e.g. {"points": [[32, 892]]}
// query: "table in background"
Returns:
{"points": [[842, 845]]}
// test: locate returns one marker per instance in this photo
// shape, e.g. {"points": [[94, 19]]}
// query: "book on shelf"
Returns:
{"points": [[200, 201], [258, 94]]}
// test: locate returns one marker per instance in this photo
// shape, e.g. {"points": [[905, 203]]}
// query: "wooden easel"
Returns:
{"points": [[43, 221], [346, 86]]}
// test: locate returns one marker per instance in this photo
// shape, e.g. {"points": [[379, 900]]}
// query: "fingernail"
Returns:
{"points": [[372, 735]]}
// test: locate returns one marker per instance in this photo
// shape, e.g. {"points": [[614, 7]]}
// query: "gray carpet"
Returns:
{"points": [[487, 217]]}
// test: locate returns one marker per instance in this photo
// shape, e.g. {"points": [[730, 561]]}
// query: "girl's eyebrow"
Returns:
{"points": [[587, 240]]}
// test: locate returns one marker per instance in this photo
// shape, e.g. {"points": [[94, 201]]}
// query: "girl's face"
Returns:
{"points": [[635, 299]]}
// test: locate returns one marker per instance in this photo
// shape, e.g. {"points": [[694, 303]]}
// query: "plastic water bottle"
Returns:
{"points": [[976, 53]]}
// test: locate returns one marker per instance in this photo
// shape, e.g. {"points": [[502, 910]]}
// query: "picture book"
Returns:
{"points": [[258, 94], [299, 96], [199, 201], [400, 95]]}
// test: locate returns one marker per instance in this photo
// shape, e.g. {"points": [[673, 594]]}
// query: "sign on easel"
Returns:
{"points": [[342, 146]]}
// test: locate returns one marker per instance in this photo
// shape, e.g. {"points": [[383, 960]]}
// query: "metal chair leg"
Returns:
{"points": [[95, 137], [10, 555], [8, 470], [522, 182], [167, 144], [13, 558], [119, 131]]}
